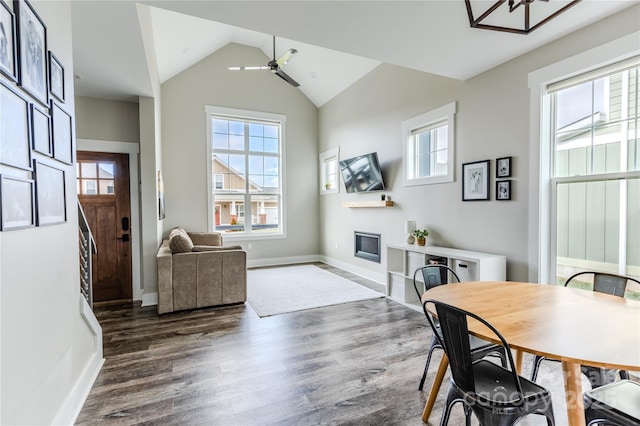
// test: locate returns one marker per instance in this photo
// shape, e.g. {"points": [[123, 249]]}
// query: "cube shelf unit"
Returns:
{"points": [[404, 259]]}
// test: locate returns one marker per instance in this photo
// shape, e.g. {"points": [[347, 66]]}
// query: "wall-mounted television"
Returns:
{"points": [[362, 173]]}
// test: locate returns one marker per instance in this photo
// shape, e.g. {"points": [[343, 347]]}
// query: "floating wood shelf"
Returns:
{"points": [[368, 204]]}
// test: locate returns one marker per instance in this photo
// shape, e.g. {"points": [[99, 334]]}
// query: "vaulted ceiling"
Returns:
{"points": [[338, 42]]}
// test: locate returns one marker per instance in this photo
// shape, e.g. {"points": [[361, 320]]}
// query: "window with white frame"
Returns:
{"points": [[246, 172], [429, 147], [218, 181], [329, 168], [593, 124]]}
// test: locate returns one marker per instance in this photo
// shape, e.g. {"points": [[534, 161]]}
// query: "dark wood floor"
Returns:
{"points": [[356, 363]]}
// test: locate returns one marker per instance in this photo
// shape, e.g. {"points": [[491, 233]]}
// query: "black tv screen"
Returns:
{"points": [[362, 173]]}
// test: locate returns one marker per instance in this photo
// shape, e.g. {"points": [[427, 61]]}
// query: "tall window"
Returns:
{"points": [[329, 166], [596, 172], [246, 172], [429, 146]]}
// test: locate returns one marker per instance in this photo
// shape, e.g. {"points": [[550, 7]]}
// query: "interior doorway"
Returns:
{"points": [[103, 187]]}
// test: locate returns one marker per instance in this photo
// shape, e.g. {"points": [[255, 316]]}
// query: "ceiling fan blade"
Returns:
{"points": [[283, 75], [249, 68], [285, 58]]}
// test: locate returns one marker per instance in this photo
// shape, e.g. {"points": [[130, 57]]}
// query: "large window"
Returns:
{"points": [[595, 176], [329, 166], [246, 172], [429, 146]]}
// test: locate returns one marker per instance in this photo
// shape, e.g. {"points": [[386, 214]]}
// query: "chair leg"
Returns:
{"points": [[624, 374], [536, 366], [433, 346]]}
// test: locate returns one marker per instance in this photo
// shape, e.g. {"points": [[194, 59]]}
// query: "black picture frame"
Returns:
{"points": [[16, 196], [503, 167], [503, 190], [15, 129], [475, 181], [62, 131], [32, 51], [56, 78], [51, 199], [8, 56], [41, 130]]}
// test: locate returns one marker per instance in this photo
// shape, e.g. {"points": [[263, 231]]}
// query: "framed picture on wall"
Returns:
{"points": [[41, 130], [56, 78], [8, 42], [62, 128], [32, 51], [475, 181], [16, 195], [503, 167], [51, 203], [15, 149], [503, 190]]}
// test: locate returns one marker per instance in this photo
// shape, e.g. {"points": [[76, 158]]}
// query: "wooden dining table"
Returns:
{"points": [[571, 325]]}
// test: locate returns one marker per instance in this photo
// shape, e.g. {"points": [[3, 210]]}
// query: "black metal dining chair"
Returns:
{"points": [[435, 275], [615, 404], [603, 282], [497, 396]]}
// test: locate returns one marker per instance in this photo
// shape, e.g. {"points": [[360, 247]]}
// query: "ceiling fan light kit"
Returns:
{"points": [[274, 65], [533, 17]]}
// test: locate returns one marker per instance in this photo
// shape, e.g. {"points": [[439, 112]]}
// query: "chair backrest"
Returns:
{"points": [[455, 341], [433, 276], [603, 282]]}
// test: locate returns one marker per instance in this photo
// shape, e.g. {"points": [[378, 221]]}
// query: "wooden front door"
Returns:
{"points": [[103, 191]]}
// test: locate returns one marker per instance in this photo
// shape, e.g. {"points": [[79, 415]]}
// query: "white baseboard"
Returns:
{"points": [[68, 413], [275, 261], [362, 272], [150, 299]]}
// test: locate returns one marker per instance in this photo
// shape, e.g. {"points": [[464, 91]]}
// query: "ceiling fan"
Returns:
{"points": [[274, 65]]}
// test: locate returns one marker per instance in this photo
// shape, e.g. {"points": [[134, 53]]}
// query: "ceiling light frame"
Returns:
{"points": [[513, 5]]}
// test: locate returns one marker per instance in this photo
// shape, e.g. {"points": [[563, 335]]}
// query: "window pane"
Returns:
{"points": [[236, 142], [442, 134], [106, 170], [220, 126], [271, 166], [89, 187], [271, 145], [267, 211], [271, 132], [256, 144], [256, 164], [106, 187], [256, 183], [588, 227], [236, 128], [226, 212], [236, 162], [256, 129], [88, 170], [220, 141]]}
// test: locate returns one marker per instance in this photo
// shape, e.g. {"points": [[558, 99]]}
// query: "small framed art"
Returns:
{"points": [[15, 145], [16, 195], [56, 78], [41, 130], [475, 181], [8, 42], [32, 52], [51, 202], [503, 190], [62, 127], [503, 167]]}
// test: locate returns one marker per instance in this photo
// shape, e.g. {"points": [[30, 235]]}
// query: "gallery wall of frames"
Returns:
{"points": [[36, 128]]}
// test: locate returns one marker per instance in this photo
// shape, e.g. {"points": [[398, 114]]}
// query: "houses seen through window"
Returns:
{"points": [[246, 188], [95, 178]]}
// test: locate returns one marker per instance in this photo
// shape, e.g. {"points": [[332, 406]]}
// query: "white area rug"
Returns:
{"points": [[276, 291]]}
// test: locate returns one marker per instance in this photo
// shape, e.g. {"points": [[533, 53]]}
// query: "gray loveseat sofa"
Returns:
{"points": [[196, 270]]}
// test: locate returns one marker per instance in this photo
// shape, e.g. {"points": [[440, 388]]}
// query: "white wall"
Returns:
{"points": [[184, 146], [492, 122], [49, 355]]}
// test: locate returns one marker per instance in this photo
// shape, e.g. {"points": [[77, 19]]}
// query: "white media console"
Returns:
{"points": [[404, 259]]}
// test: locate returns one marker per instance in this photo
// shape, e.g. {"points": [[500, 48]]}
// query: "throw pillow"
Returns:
{"points": [[179, 241]]}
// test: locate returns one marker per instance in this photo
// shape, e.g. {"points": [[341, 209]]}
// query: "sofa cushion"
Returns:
{"points": [[179, 241]]}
